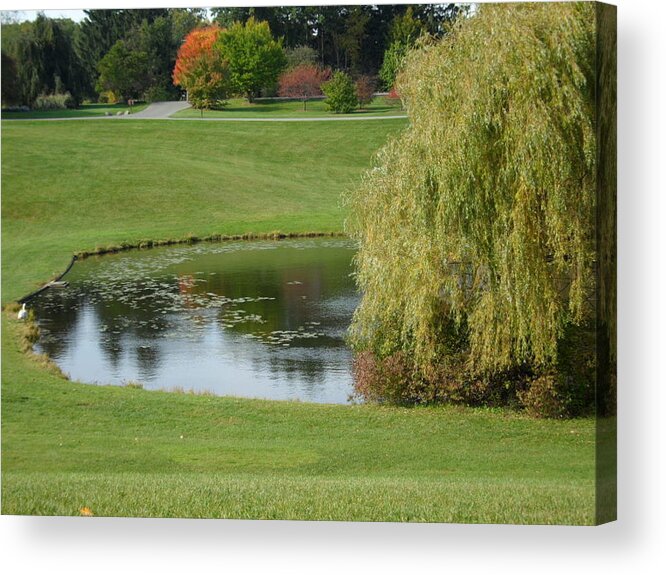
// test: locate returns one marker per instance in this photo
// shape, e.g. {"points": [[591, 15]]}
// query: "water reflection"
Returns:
{"points": [[260, 319]]}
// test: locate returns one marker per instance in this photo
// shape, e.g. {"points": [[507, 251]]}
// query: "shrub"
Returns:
{"points": [[365, 90], [16, 109], [567, 390], [108, 97], [393, 96], [340, 93], [54, 102], [397, 380], [545, 397], [383, 379]]}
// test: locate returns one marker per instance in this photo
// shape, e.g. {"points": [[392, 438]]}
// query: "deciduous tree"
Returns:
{"points": [[405, 31], [255, 58], [340, 93], [124, 71], [200, 69], [365, 89], [477, 224], [303, 82]]}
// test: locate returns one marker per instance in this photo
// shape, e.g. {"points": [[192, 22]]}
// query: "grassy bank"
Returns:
{"points": [[75, 186], [84, 111], [124, 451], [240, 108], [79, 186]]}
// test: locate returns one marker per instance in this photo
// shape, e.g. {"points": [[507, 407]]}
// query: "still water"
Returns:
{"points": [[254, 319]]}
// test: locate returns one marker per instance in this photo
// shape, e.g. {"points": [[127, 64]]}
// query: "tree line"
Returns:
{"points": [[117, 54]]}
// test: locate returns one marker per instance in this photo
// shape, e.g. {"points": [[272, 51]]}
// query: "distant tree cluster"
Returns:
{"points": [[214, 63], [116, 55], [350, 38]]}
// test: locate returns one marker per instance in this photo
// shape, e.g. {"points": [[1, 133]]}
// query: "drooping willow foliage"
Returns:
{"points": [[482, 212]]}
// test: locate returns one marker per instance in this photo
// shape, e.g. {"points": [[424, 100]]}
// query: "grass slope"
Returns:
{"points": [[70, 186], [84, 111], [124, 451], [120, 451]]}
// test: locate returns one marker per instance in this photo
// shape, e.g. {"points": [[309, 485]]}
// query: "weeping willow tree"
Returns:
{"points": [[477, 224]]}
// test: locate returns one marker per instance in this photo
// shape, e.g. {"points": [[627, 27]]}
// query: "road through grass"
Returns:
{"points": [[66, 446]]}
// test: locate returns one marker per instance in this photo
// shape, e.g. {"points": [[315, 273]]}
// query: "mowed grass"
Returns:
{"points": [[83, 111], [122, 451], [241, 108], [71, 186]]}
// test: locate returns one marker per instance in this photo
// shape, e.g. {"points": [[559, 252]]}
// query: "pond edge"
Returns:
{"points": [[190, 239]]}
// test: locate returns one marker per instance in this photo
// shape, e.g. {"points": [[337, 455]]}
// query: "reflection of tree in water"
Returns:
{"points": [[282, 297], [53, 323], [307, 371], [148, 362], [124, 325], [286, 290]]}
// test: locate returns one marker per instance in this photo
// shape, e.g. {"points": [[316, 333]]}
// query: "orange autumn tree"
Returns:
{"points": [[201, 70]]}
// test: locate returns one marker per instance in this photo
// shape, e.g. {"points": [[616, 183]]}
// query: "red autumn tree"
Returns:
{"points": [[303, 82], [201, 70], [365, 90], [393, 97]]}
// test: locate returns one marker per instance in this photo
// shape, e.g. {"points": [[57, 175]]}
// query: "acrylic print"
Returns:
{"points": [[340, 263]]}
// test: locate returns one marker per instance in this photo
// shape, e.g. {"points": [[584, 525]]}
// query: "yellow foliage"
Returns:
{"points": [[483, 209]]}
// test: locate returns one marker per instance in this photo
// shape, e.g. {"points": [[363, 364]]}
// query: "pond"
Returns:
{"points": [[263, 319]]}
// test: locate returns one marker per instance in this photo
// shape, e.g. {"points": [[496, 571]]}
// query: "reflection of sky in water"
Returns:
{"points": [[255, 319]]}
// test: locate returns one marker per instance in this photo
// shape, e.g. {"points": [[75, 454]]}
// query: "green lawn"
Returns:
{"points": [[240, 108], [71, 186], [124, 451], [84, 111]]}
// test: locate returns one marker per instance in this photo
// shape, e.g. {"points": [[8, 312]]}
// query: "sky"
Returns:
{"points": [[12, 8], [76, 15]]}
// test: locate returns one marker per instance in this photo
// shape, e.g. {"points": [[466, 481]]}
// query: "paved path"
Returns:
{"points": [[287, 119], [163, 111], [160, 110]]}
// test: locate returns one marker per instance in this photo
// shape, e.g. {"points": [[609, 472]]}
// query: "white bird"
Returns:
{"points": [[23, 313]]}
